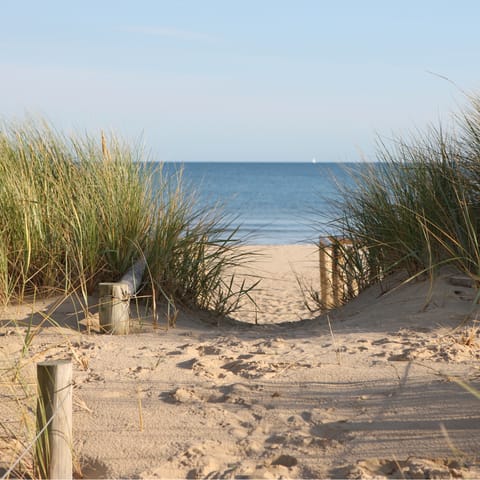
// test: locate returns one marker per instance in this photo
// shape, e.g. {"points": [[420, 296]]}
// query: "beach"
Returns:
{"points": [[374, 389], [240, 240]]}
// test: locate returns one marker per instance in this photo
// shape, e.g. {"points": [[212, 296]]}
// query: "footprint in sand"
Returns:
{"points": [[196, 394], [264, 359], [272, 346], [364, 345], [310, 429], [94, 377], [210, 459], [85, 345], [138, 372], [410, 468], [252, 368], [383, 341], [237, 393], [330, 435], [88, 467], [209, 350]]}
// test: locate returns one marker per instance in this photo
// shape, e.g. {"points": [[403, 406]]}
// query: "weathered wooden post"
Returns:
{"points": [[114, 301], [350, 268], [114, 308], [324, 283], [335, 272], [53, 451]]}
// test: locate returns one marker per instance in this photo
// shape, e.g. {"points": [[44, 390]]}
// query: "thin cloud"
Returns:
{"points": [[170, 32]]}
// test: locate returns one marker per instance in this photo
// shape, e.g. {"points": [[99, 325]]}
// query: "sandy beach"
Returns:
{"points": [[370, 391]]}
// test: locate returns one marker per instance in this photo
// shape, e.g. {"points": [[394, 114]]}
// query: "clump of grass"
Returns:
{"points": [[75, 211], [418, 208]]}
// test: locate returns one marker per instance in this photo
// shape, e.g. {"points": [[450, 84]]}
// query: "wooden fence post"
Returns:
{"points": [[335, 272], [53, 452], [324, 283], [114, 308]]}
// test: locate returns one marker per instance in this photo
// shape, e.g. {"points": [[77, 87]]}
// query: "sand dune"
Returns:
{"points": [[286, 398]]}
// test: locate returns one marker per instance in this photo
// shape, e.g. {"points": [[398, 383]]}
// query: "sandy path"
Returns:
{"points": [[281, 400], [282, 268]]}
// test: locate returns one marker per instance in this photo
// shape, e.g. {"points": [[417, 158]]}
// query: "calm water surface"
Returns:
{"points": [[275, 203]]}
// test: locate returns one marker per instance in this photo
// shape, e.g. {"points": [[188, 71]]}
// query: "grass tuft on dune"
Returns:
{"points": [[77, 210], [418, 207]]}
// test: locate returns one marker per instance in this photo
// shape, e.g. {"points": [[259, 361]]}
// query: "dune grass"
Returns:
{"points": [[75, 211], [418, 207]]}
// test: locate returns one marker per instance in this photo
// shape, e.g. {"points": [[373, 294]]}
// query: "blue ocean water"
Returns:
{"points": [[273, 203]]}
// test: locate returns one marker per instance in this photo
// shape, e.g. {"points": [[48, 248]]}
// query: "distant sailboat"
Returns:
{"points": [[314, 160]]}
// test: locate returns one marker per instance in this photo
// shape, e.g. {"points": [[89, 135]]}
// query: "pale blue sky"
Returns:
{"points": [[262, 80]]}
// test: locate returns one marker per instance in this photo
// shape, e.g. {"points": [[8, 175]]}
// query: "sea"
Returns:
{"points": [[270, 203]]}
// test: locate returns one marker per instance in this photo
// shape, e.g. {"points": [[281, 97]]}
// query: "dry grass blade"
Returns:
{"points": [[337, 350]]}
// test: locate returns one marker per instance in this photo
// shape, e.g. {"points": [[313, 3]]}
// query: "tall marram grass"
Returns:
{"points": [[75, 211], [418, 207]]}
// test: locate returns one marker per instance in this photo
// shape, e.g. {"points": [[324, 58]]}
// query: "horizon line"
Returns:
{"points": [[267, 161]]}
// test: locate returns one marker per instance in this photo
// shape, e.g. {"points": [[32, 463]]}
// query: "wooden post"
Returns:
{"points": [[114, 308], [324, 284], [53, 451], [351, 269], [335, 273]]}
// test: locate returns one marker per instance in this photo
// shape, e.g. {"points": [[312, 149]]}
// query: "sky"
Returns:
{"points": [[244, 80]]}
